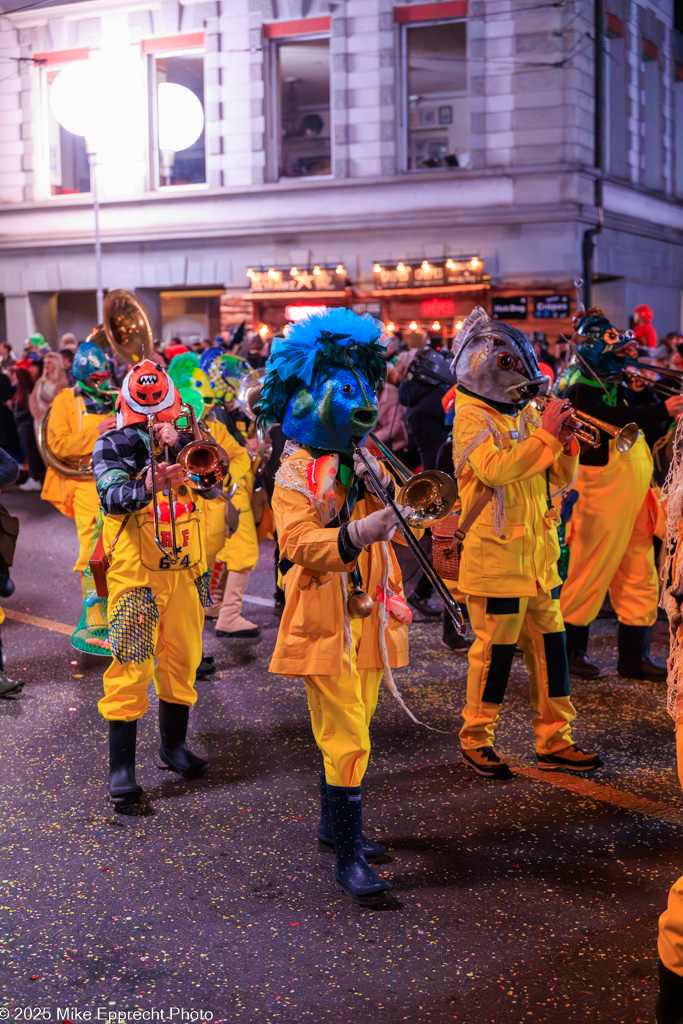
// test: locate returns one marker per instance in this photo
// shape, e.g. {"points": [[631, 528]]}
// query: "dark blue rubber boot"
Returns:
{"points": [[369, 846], [352, 872], [174, 751]]}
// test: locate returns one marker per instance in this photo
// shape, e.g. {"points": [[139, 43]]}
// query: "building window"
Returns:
{"points": [[678, 137], [438, 111], [652, 164], [177, 119], [69, 167], [302, 77], [616, 99]]}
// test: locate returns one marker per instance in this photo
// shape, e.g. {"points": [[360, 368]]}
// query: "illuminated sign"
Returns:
{"points": [[428, 274], [297, 311], [298, 279], [510, 307], [552, 307], [437, 307]]}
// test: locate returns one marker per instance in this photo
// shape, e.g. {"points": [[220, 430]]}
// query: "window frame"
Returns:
{"points": [[153, 183], [273, 106], [402, 28], [42, 153]]}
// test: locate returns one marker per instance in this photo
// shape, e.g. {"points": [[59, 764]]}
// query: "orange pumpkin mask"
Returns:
{"points": [[147, 390]]}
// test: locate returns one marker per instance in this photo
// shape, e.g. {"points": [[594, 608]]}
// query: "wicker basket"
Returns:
{"points": [[445, 551]]}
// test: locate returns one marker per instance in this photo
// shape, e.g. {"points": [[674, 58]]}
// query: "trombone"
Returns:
{"points": [[431, 498], [204, 463], [587, 428]]}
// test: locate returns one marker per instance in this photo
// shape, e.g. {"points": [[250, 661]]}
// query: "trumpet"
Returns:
{"points": [[204, 463], [587, 428], [432, 498]]}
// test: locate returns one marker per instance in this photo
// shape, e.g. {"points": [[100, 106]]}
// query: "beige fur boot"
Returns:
{"points": [[230, 621], [217, 592]]}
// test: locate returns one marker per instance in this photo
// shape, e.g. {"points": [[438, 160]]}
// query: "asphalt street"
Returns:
{"points": [[534, 900]]}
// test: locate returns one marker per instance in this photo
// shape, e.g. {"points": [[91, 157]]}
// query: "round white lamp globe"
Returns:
{"points": [[75, 98], [181, 117]]}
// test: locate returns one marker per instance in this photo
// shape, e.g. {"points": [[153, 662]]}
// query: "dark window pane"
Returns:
{"points": [[438, 100], [304, 103], [185, 166], [69, 168]]}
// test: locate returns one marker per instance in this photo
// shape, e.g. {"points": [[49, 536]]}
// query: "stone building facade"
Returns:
{"points": [[348, 134]]}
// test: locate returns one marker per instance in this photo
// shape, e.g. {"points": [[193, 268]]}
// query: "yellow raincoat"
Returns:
{"points": [[509, 568], [72, 432], [342, 682], [213, 509], [311, 635]]}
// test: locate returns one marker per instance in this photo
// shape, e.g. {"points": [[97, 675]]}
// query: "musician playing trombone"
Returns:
{"points": [[321, 386], [157, 578]]}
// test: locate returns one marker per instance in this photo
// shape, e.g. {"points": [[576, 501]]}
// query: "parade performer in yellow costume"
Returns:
{"points": [[239, 553], [196, 387], [321, 386], [157, 585], [670, 1002], [611, 529], [77, 417], [508, 565]]}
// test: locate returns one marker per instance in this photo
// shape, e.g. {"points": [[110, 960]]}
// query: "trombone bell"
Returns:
{"points": [[431, 495]]}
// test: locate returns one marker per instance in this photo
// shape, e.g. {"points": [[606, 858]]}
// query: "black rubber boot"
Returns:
{"points": [[7, 686], [174, 751], [450, 637], [634, 655], [577, 645], [325, 836], [123, 789], [669, 1009], [352, 872], [206, 667]]}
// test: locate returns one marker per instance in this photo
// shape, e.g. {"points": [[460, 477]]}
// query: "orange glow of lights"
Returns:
{"points": [[316, 270], [436, 326], [340, 269], [294, 272], [413, 325], [377, 269], [390, 327], [263, 331]]}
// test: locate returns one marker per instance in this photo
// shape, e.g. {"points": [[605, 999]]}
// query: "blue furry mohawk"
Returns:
{"points": [[320, 341]]}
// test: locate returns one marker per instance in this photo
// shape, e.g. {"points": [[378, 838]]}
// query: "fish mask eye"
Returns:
{"points": [[347, 389], [506, 361]]}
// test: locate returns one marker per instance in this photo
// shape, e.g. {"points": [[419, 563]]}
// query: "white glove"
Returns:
{"points": [[362, 472], [378, 526]]}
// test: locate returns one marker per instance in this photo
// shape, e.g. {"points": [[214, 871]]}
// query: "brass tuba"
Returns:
{"points": [[125, 329]]}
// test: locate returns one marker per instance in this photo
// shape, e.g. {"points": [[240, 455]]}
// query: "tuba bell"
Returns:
{"points": [[126, 330]]}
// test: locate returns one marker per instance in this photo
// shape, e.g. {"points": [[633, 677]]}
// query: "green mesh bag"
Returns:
{"points": [[92, 632]]}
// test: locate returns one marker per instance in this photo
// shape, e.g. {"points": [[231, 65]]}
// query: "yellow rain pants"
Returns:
{"points": [[499, 625], [240, 551], [86, 507], [341, 709], [213, 509], [155, 614], [610, 541]]}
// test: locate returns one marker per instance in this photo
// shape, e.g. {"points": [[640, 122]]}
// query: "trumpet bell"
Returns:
{"points": [[626, 437], [205, 464], [431, 495]]}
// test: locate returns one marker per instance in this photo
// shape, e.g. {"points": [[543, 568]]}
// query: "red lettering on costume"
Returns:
{"points": [[166, 540], [186, 538]]}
